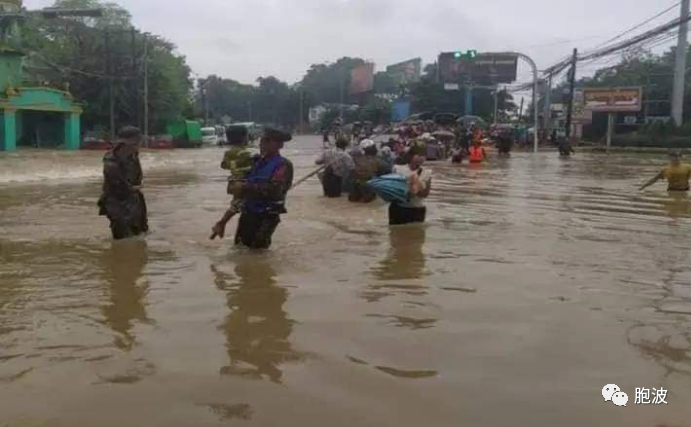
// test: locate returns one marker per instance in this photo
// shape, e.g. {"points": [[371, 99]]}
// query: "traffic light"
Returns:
{"points": [[469, 55]]}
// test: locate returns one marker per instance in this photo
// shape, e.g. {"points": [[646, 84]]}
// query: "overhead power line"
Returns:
{"points": [[647, 21], [626, 44], [618, 47]]}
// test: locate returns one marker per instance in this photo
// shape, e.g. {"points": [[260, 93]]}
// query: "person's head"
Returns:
{"points": [[129, 140], [415, 160], [477, 143], [237, 135], [675, 158], [342, 143], [272, 141], [369, 147]]}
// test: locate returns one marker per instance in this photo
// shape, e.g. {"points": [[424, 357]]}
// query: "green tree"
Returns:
{"points": [[73, 52]]}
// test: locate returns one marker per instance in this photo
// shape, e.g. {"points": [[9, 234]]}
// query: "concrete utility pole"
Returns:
{"points": [[548, 105], [572, 91], [111, 87], [680, 67], [146, 88], [302, 101], [496, 104]]}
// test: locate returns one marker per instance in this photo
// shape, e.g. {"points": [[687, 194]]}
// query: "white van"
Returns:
{"points": [[209, 136]]}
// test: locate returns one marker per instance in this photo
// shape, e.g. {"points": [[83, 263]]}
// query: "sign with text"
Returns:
{"points": [[362, 79], [405, 72], [613, 100], [581, 116], [483, 69]]}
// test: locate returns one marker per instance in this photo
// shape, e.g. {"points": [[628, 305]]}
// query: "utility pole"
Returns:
{"points": [[572, 90], [680, 67], [249, 111], [548, 105], [111, 88], [469, 99], [302, 99], [496, 104], [340, 114], [205, 99], [520, 110], [146, 88], [136, 93]]}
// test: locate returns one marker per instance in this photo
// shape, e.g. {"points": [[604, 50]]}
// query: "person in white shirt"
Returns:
{"points": [[420, 182], [339, 166]]}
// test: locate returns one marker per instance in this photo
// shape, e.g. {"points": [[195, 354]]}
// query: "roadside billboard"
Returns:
{"points": [[613, 100], [581, 115], [362, 79], [483, 69], [400, 110], [405, 72]]}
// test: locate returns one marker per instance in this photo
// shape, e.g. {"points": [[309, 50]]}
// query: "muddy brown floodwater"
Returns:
{"points": [[535, 282]]}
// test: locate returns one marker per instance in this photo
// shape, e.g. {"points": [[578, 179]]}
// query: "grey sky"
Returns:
{"points": [[244, 39]]}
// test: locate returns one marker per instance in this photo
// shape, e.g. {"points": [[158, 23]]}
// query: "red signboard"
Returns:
{"points": [[362, 79]]}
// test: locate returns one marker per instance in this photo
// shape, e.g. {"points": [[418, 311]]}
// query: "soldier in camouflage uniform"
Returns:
{"points": [[122, 200]]}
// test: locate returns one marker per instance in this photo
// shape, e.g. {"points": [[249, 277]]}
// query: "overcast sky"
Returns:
{"points": [[244, 39]]}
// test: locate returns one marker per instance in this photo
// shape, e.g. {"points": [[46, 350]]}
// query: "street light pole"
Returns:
{"points": [[146, 88], [496, 104], [680, 67]]}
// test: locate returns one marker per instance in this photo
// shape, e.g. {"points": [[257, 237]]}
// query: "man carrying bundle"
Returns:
{"points": [[263, 194]]}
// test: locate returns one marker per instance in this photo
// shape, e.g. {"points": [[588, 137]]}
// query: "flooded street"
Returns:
{"points": [[535, 282]]}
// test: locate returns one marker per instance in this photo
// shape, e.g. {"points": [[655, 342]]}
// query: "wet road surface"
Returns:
{"points": [[535, 282]]}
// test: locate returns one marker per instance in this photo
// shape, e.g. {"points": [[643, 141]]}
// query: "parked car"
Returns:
{"points": [[209, 136]]}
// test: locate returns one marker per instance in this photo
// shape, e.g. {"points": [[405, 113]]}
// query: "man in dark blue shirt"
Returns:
{"points": [[263, 194]]}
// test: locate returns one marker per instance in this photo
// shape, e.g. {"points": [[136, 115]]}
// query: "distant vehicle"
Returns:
{"points": [[237, 135], [96, 141], [253, 129], [209, 136], [161, 142], [185, 133]]}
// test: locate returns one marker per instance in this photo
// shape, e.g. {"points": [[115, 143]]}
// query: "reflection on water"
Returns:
{"points": [[677, 205], [539, 274], [257, 329], [123, 266], [405, 259]]}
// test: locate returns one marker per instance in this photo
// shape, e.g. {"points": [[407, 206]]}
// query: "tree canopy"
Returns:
{"points": [[84, 54]]}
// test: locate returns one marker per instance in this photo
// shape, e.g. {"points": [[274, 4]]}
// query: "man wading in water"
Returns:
{"points": [[122, 200], [263, 194], [676, 173], [339, 166]]}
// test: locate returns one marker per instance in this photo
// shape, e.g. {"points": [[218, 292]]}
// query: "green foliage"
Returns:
{"points": [[271, 101], [73, 52], [377, 111]]}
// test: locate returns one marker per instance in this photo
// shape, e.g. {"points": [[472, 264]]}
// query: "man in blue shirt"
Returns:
{"points": [[263, 194]]}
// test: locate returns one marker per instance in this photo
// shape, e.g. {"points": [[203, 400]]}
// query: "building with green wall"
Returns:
{"points": [[30, 116]]}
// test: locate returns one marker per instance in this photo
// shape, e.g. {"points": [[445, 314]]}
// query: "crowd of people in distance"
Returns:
{"points": [[357, 165]]}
